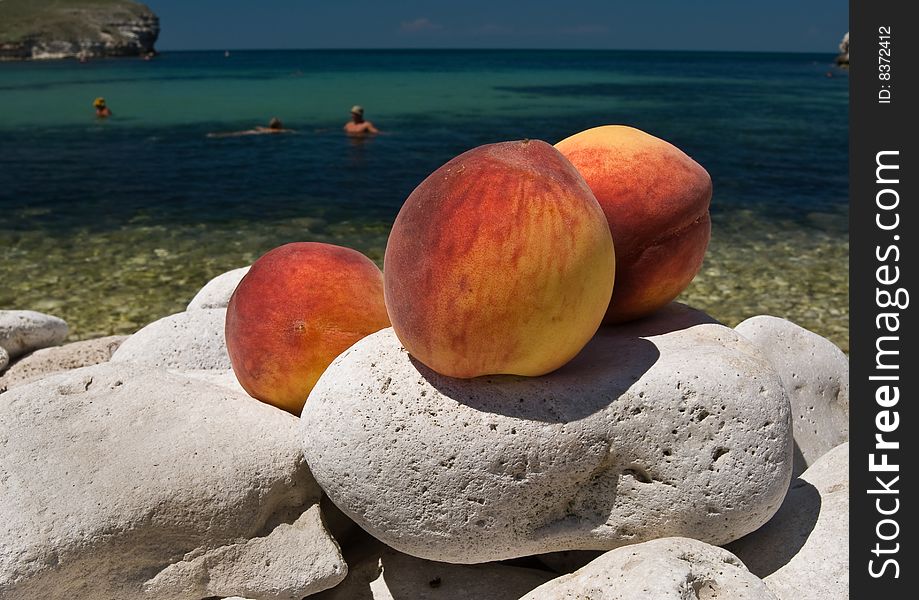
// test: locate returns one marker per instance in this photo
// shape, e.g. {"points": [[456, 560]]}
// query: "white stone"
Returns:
{"points": [[226, 378], [683, 432], [815, 374], [384, 574], [4, 358], [47, 361], [216, 293], [665, 569], [121, 481], [183, 341], [803, 552], [22, 331]]}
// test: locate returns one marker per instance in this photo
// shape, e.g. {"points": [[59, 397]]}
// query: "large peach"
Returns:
{"points": [[299, 307], [499, 262], [656, 200]]}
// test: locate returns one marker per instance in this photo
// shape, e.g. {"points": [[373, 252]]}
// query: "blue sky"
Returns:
{"points": [[777, 25]]}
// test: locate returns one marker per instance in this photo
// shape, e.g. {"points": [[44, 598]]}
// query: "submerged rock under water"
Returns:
{"points": [[117, 281]]}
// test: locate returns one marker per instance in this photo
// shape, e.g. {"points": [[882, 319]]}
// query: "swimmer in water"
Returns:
{"points": [[102, 111], [274, 126], [357, 126]]}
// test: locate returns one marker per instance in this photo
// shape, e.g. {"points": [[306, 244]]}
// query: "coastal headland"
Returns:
{"points": [[48, 29]]}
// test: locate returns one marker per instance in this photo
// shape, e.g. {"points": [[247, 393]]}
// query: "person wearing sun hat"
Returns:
{"points": [[102, 111], [357, 126]]}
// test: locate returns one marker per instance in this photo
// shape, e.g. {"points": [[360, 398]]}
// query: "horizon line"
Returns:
{"points": [[461, 49]]}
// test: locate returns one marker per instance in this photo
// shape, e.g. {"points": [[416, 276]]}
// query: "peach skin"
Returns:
{"points": [[656, 200], [500, 262], [299, 307]]}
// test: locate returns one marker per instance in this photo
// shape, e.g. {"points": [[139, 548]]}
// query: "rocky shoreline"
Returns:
{"points": [[663, 452], [842, 59], [83, 30]]}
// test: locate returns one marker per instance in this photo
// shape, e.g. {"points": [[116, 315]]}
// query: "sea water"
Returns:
{"points": [[113, 223]]}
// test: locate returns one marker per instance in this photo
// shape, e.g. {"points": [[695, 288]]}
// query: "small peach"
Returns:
{"points": [[295, 311]]}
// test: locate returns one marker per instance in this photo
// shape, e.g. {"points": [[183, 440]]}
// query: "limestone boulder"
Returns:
{"points": [[122, 481], [47, 361], [672, 426], [815, 374], [663, 569], [183, 341], [225, 378], [803, 552], [216, 293], [22, 331]]}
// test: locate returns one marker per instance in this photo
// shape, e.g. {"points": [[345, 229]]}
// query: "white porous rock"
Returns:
{"points": [[226, 378], [47, 361], [4, 358], [803, 552], [216, 292], [816, 377], [671, 568], [672, 426], [122, 481], [22, 331], [384, 574], [184, 341]]}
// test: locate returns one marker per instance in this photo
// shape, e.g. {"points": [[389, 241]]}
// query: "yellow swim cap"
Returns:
{"points": [[99, 102]]}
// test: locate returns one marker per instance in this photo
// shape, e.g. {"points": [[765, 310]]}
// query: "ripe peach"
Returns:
{"points": [[299, 307], [500, 261], [656, 200]]}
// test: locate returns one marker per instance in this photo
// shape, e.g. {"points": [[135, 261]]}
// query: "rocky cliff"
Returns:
{"points": [[843, 58], [44, 29]]}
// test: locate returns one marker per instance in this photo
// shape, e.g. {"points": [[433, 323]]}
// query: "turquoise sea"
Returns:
{"points": [[113, 223]]}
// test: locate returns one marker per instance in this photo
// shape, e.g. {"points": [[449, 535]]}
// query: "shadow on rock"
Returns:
{"points": [[602, 372], [377, 572], [773, 545], [800, 463]]}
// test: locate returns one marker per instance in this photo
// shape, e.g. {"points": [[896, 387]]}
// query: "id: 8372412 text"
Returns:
{"points": [[884, 46]]}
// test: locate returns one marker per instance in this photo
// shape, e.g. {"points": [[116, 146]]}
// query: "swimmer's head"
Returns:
{"points": [[275, 123], [99, 102]]}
